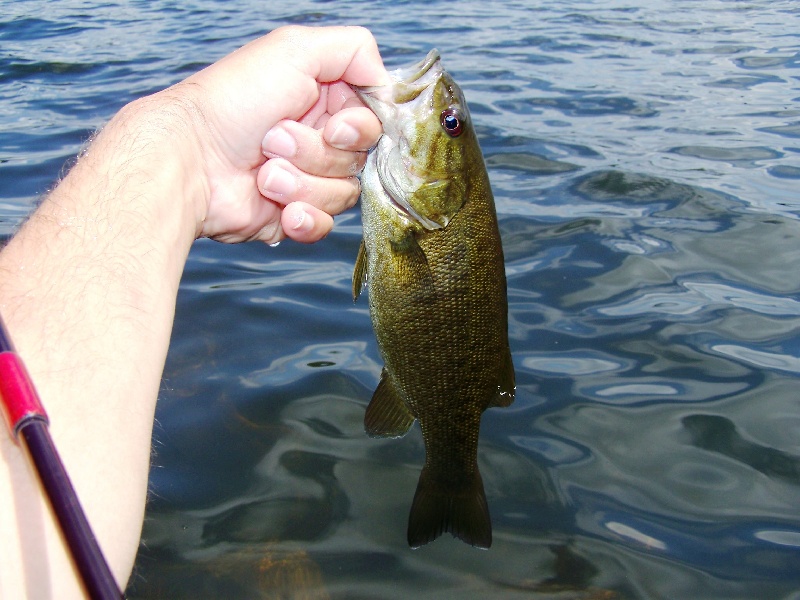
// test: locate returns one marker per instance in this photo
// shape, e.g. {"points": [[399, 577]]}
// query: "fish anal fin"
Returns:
{"points": [[506, 386], [360, 271], [387, 415], [437, 509]]}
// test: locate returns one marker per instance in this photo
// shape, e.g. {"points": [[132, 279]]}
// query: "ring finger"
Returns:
{"points": [[281, 181]]}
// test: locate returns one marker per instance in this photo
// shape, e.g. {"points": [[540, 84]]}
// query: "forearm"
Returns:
{"points": [[87, 289], [88, 286]]}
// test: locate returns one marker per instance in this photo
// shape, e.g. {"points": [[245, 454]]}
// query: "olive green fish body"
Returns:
{"points": [[437, 295]]}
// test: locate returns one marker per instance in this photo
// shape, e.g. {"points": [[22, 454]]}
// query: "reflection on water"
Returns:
{"points": [[644, 160], [253, 573], [718, 434]]}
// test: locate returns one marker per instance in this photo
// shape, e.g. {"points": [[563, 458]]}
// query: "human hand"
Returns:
{"points": [[281, 135]]}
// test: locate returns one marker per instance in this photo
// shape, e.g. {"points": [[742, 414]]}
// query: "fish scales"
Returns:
{"points": [[433, 261]]}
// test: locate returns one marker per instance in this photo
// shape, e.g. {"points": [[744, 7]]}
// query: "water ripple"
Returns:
{"points": [[692, 297], [760, 358], [644, 160], [569, 363]]}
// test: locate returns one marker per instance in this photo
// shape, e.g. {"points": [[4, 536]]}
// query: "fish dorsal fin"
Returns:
{"points": [[360, 271], [387, 415], [507, 385]]}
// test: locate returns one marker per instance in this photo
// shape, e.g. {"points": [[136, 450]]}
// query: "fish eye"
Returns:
{"points": [[451, 121]]}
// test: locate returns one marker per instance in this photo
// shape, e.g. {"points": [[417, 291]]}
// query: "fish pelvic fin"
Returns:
{"points": [[507, 386], [387, 415], [437, 509], [360, 271]]}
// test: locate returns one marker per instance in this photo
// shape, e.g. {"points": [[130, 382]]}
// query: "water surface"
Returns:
{"points": [[645, 158]]}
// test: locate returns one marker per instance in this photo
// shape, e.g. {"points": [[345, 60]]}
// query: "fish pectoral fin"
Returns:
{"points": [[412, 266], [360, 271], [507, 385], [436, 509], [387, 415]]}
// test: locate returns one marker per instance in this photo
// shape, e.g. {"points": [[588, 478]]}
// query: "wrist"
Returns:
{"points": [[149, 154], [119, 226]]}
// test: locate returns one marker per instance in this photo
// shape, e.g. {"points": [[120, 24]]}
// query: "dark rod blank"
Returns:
{"points": [[27, 421], [86, 553]]}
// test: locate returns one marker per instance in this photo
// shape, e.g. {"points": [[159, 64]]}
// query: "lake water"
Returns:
{"points": [[645, 158]]}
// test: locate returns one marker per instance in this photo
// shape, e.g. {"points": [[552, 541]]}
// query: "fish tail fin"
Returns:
{"points": [[436, 509]]}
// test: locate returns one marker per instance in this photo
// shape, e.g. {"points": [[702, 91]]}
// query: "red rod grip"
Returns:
{"points": [[17, 395]]}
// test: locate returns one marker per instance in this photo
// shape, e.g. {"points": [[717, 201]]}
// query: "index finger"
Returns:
{"points": [[277, 76], [347, 53]]}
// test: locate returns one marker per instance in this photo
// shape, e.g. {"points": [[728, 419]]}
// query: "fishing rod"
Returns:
{"points": [[27, 421]]}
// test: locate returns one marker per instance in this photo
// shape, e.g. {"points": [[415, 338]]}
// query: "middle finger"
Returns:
{"points": [[306, 149]]}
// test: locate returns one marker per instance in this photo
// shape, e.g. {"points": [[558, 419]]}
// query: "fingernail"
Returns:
{"points": [[344, 136], [279, 182], [279, 142], [303, 222]]}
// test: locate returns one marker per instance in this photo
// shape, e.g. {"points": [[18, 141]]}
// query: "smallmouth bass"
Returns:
{"points": [[433, 261]]}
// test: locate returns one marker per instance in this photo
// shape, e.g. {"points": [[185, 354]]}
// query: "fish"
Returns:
{"points": [[432, 260]]}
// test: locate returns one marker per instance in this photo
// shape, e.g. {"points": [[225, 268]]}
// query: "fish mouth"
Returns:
{"points": [[406, 85], [423, 73]]}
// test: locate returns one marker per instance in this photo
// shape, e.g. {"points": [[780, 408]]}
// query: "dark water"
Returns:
{"points": [[645, 156]]}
